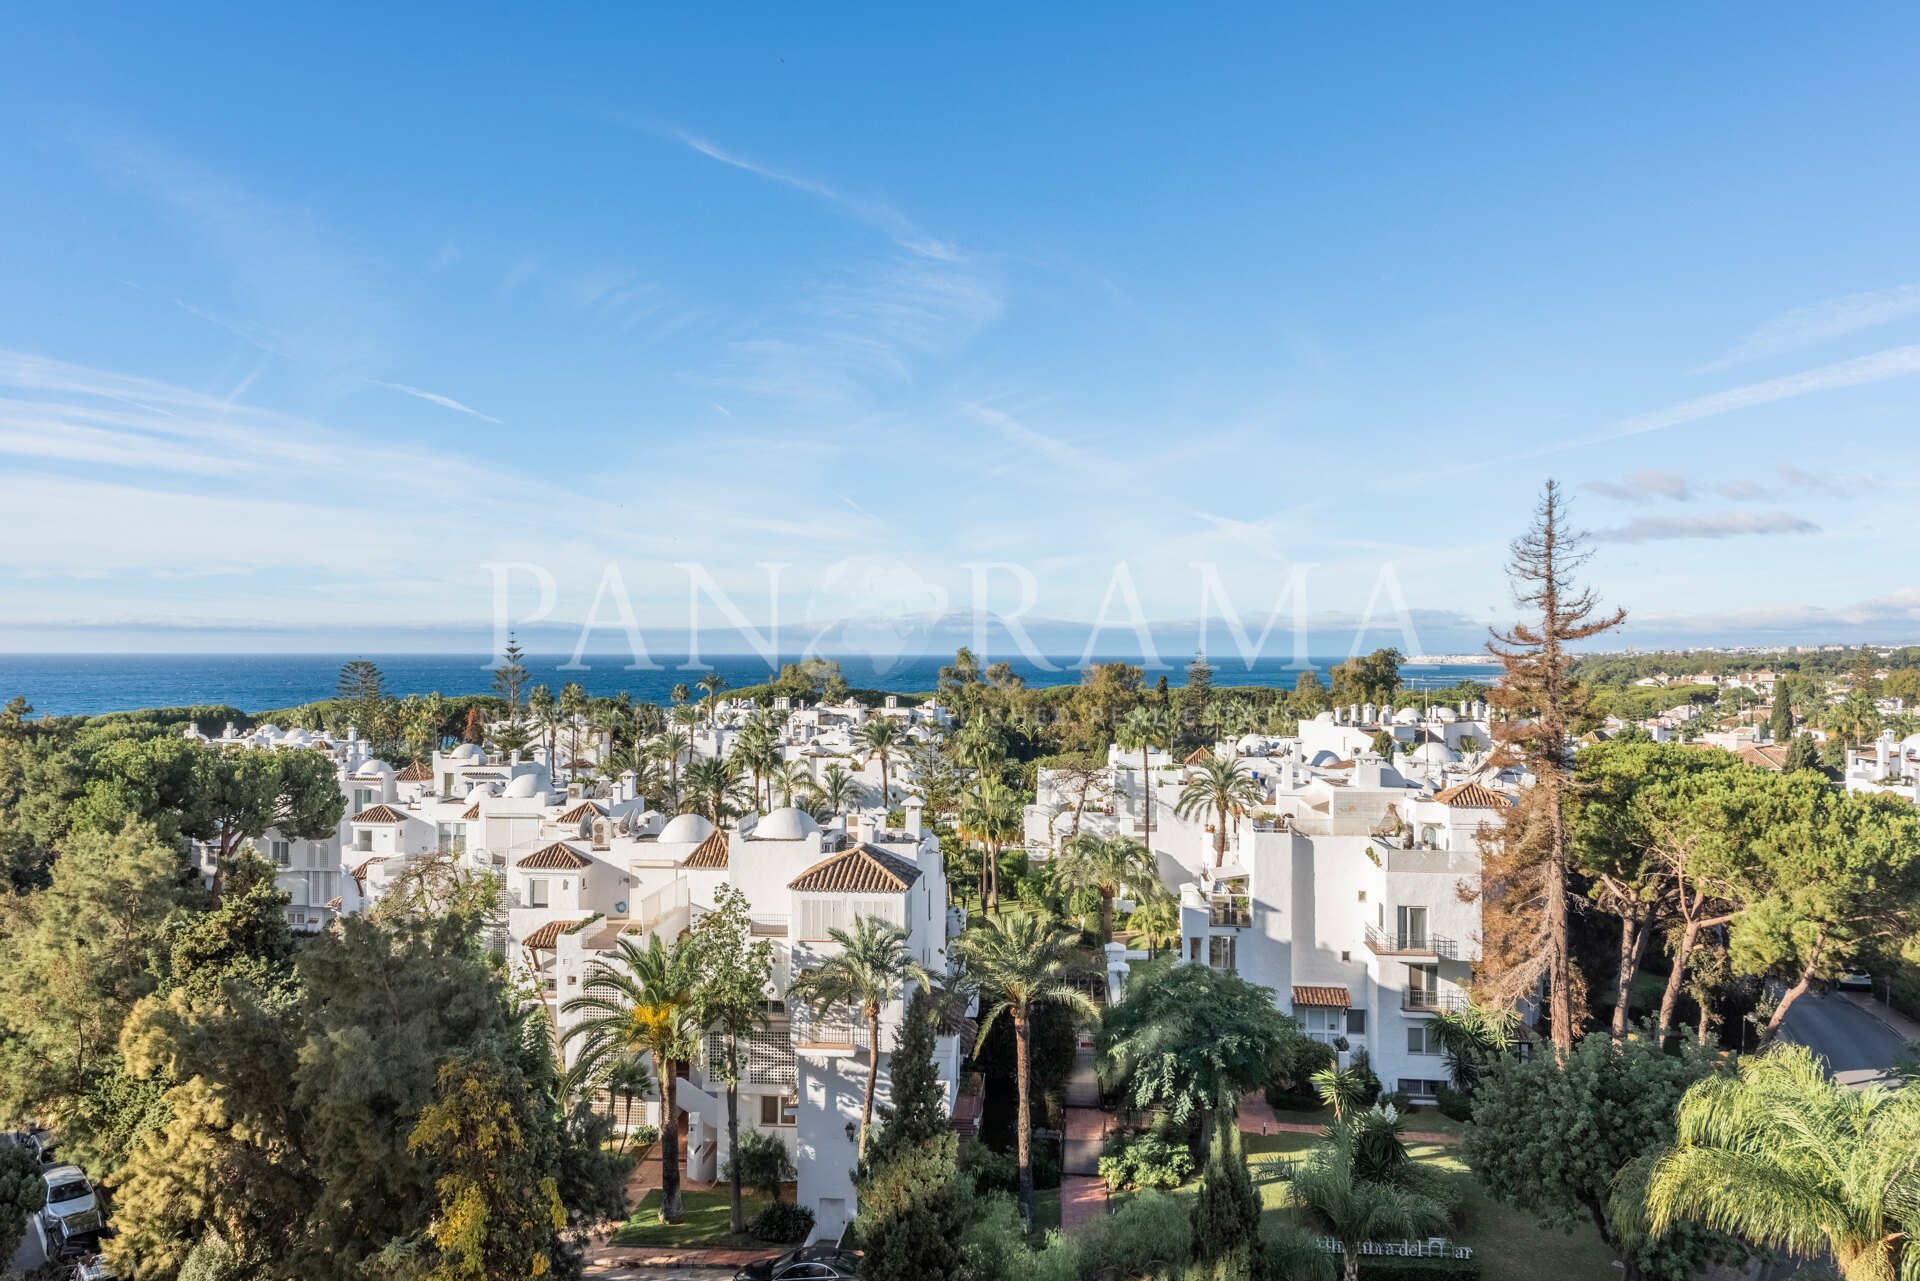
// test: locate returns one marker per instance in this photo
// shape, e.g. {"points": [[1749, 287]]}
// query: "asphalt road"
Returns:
{"points": [[29, 1256], [1857, 1046]]}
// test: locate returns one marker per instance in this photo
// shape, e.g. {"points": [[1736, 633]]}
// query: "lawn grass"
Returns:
{"points": [[1046, 1211], [707, 1222]]}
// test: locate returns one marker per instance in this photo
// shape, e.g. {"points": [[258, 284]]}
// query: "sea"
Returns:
{"points": [[90, 684]]}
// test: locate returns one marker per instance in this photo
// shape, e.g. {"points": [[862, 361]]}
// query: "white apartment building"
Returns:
{"points": [[1891, 766], [1343, 893]]}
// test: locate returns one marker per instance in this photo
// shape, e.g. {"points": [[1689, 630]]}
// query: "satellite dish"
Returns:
{"points": [[620, 908]]}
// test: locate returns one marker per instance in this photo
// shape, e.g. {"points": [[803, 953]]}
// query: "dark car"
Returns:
{"points": [[808, 1263]]}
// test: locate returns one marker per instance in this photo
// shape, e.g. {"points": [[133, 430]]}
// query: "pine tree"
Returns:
{"points": [[1226, 1214], [1780, 724], [1802, 753], [1524, 878], [918, 1112]]}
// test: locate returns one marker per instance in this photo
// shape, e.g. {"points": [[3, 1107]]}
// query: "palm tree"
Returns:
{"points": [[1339, 1088], [790, 777], [1018, 964], [679, 694], [628, 1081], [758, 754], [991, 816], [870, 969], [640, 1002], [1141, 730], [713, 683], [837, 787], [880, 738], [1855, 718], [1354, 1210], [1227, 789], [1783, 1157], [669, 748], [715, 784], [573, 709], [1156, 923], [545, 714], [1105, 864]]}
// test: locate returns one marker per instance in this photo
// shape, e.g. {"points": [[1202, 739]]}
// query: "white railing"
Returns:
{"points": [[663, 902]]}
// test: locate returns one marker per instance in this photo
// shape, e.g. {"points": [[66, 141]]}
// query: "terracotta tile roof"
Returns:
{"points": [[379, 814], [549, 934], [484, 774], [581, 762], [1198, 756], [360, 873], [473, 812], [1774, 758], [558, 857], [710, 853], [333, 904], [582, 812], [1310, 994], [1471, 796], [418, 772], [860, 870]]}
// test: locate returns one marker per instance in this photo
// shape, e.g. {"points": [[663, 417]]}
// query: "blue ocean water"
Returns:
{"points": [[88, 684]]}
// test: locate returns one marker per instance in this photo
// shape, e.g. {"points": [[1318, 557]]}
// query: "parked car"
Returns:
{"points": [[29, 1141], [1857, 983], [94, 1268], [808, 1263], [72, 1209]]}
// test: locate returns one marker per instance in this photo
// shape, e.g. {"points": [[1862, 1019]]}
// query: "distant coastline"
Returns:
{"points": [[92, 684]]}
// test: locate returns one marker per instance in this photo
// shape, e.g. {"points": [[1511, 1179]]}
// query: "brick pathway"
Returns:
{"points": [[1083, 1199]]}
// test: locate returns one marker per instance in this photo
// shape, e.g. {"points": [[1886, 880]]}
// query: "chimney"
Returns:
{"points": [[913, 807], [353, 734], [514, 757], [627, 787]]}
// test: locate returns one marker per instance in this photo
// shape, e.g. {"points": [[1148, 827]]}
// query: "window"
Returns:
{"points": [[537, 892], [1220, 952], [282, 852], [1413, 927], [362, 799], [363, 839], [1421, 1040], [777, 1109], [1420, 1087], [1322, 1022], [1363, 896], [1356, 1022]]}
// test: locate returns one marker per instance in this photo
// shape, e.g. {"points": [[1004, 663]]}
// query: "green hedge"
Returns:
{"points": [[1388, 1268]]}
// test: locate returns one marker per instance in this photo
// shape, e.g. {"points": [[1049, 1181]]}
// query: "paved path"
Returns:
{"points": [[1858, 1038], [1083, 1200]]}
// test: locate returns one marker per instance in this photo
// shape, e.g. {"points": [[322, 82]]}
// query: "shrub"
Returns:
{"points": [[782, 1222], [1289, 1098], [1386, 1268], [1369, 1079], [1046, 1163], [1454, 1104], [990, 1171], [1150, 1229], [764, 1162], [1399, 1102], [642, 1137], [1148, 1160]]}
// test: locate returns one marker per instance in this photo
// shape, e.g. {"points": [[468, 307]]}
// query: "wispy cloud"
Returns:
{"points": [[1729, 524], [446, 402], [1643, 486], [1808, 326], [870, 210]]}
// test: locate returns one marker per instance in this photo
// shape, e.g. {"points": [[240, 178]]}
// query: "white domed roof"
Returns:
{"points": [[1323, 718], [686, 827], [1407, 716], [375, 768], [1445, 715], [297, 736], [788, 824], [1435, 754], [467, 752], [521, 785], [268, 729]]}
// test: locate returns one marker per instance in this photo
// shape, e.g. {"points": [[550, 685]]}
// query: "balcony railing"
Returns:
{"points": [[1410, 943], [1231, 910], [1420, 1000], [769, 926]]}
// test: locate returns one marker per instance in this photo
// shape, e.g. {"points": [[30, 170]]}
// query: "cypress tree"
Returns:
{"points": [[1780, 724], [917, 1113], [1226, 1214]]}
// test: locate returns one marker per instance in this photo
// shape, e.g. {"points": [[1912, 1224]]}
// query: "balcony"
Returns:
{"points": [[1411, 943], [1230, 911], [1419, 1000], [769, 926]]}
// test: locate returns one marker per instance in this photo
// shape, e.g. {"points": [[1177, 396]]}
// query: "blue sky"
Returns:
{"points": [[307, 317]]}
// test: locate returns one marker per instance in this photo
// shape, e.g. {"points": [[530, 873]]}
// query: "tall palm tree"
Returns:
{"points": [[870, 968], [713, 683], [758, 753], [991, 817], [1105, 864], [880, 739], [669, 748], [715, 783], [573, 710], [1855, 718], [837, 787], [629, 1080], [1227, 789], [1783, 1157], [1354, 1210], [640, 1002], [544, 710], [679, 694], [1141, 730], [1019, 964]]}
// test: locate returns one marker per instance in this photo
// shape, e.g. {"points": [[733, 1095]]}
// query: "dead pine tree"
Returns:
{"points": [[1524, 881]]}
